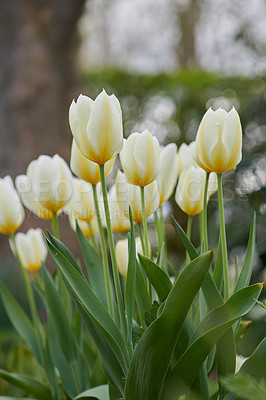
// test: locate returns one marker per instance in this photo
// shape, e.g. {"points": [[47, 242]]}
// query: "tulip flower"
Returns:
{"points": [[31, 249], [168, 171], [120, 222], [85, 169], [97, 126], [190, 190], [11, 210], [219, 141], [46, 187], [89, 229], [121, 250], [81, 204], [129, 195], [140, 158], [186, 156]]}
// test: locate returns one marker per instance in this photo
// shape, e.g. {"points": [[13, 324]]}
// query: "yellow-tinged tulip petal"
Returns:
{"points": [[31, 248], [186, 156], [121, 250], [120, 222], [190, 190], [88, 228], [129, 195], [219, 141], [97, 126], [81, 204], [11, 210], [140, 158], [168, 171], [85, 169]]}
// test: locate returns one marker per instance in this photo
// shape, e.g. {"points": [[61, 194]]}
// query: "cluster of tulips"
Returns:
{"points": [[150, 175]]}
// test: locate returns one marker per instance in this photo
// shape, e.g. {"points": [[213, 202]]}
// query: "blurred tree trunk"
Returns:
{"points": [[187, 15], [38, 78]]}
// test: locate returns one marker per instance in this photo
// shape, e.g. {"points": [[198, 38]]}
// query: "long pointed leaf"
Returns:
{"points": [[154, 351], [96, 393]]}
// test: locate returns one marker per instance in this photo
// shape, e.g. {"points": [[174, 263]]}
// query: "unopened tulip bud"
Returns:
{"points": [[122, 254], [86, 169], [129, 195], [186, 156], [219, 141], [31, 249], [140, 158], [88, 228], [11, 210], [120, 222], [81, 204], [97, 126], [168, 171], [47, 186], [190, 190]]}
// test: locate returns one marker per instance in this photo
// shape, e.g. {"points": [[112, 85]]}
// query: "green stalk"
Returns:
{"points": [[205, 201], [163, 236], [54, 226], [145, 229], [107, 280], [113, 255], [158, 230], [189, 224], [28, 287], [141, 237], [223, 237]]}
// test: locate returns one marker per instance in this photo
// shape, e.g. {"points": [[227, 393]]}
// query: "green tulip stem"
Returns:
{"points": [[205, 202], [107, 280], [189, 225], [163, 236], [145, 229], [54, 226], [158, 230], [113, 255], [223, 237], [141, 237], [32, 304]]}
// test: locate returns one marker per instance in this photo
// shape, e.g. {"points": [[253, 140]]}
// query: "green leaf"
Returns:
{"points": [[64, 250], [246, 271], [218, 268], [20, 321], [192, 252], [59, 318], [141, 291], [131, 279], [94, 266], [157, 276], [210, 330], [151, 361], [255, 365], [245, 387], [96, 393], [92, 306], [27, 384]]}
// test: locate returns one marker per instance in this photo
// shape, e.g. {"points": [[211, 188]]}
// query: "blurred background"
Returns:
{"points": [[167, 62]]}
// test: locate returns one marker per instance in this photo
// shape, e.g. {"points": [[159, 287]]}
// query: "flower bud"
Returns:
{"points": [[120, 223], [129, 195], [97, 126], [121, 251], [140, 158], [85, 169], [186, 156], [168, 171], [46, 187], [31, 248], [219, 141], [81, 204], [11, 210], [190, 190]]}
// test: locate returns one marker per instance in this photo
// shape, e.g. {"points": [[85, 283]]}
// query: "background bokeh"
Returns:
{"points": [[167, 61]]}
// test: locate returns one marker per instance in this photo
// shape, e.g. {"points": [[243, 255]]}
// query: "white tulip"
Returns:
{"points": [[140, 158], [88, 228], [97, 126], [81, 204], [219, 141], [129, 195], [119, 222], [186, 156], [121, 250], [86, 169], [11, 210], [31, 248], [47, 186], [168, 171]]}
